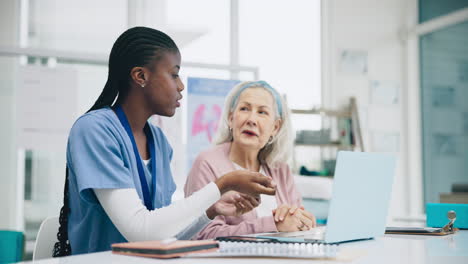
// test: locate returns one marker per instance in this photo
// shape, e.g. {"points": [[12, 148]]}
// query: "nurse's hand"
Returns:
{"points": [[233, 204], [252, 183]]}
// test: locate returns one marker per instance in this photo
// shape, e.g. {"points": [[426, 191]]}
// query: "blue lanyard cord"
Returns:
{"points": [[149, 135]]}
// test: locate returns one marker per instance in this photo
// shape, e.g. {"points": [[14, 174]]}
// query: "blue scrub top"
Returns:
{"points": [[100, 156]]}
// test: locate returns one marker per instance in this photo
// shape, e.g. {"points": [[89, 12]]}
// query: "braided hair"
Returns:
{"points": [[136, 47]]}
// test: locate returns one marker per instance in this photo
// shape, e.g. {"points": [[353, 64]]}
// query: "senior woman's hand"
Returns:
{"points": [[251, 183], [298, 218]]}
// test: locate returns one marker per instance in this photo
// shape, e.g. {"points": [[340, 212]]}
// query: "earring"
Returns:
{"points": [[143, 85], [270, 140], [230, 131]]}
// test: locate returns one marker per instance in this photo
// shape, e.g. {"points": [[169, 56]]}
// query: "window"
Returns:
{"points": [[205, 26], [81, 26], [282, 39]]}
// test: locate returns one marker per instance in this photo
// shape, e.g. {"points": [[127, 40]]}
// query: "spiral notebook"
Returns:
{"points": [[257, 247]]}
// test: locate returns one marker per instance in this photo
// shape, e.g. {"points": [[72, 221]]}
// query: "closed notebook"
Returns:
{"points": [[159, 249]]}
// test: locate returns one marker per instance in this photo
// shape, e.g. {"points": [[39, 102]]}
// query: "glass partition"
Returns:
{"points": [[444, 107]]}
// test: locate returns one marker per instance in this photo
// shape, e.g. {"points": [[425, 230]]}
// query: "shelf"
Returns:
{"points": [[321, 111], [330, 144]]}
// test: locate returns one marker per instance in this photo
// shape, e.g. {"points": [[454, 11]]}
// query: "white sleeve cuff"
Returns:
{"points": [[194, 228]]}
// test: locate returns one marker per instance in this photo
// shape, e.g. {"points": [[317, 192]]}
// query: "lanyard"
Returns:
{"points": [[149, 135]]}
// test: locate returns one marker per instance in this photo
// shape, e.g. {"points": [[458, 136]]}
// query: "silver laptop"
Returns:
{"points": [[360, 201]]}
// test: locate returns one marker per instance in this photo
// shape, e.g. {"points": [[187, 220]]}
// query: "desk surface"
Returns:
{"points": [[452, 249]]}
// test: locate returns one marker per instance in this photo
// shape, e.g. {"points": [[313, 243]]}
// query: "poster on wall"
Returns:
{"points": [[384, 93], [353, 62], [205, 105], [46, 106]]}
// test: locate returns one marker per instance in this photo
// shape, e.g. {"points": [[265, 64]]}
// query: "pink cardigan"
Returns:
{"points": [[212, 164]]}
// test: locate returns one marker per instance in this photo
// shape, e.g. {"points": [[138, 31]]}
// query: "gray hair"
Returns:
{"points": [[279, 150]]}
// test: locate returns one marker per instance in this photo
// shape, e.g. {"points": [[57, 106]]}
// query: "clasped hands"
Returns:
{"points": [[293, 218]]}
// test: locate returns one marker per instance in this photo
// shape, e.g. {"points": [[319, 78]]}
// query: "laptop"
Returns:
{"points": [[360, 200]]}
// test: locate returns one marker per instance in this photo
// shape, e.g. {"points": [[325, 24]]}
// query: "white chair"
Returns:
{"points": [[46, 238]]}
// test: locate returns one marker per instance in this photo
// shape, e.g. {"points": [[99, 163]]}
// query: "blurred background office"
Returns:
{"points": [[373, 75]]}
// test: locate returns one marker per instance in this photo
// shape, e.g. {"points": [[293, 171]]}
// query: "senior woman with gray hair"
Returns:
{"points": [[254, 134]]}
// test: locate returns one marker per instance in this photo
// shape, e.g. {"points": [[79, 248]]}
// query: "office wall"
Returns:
{"points": [[9, 23], [373, 28]]}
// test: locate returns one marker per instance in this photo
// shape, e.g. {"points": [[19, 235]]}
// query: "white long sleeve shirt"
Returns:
{"points": [[181, 219]]}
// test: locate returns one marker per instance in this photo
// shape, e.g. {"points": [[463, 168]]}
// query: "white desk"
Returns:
{"points": [[391, 249]]}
